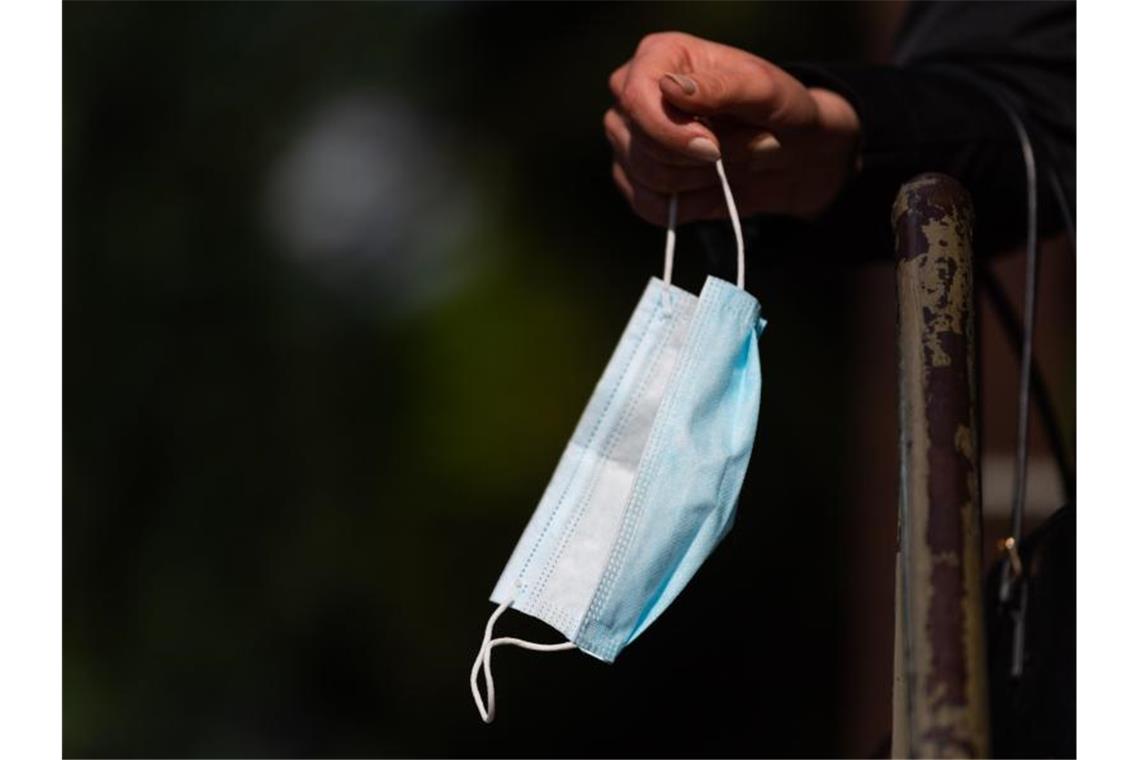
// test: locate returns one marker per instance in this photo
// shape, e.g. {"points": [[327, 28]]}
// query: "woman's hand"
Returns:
{"points": [[682, 102]]}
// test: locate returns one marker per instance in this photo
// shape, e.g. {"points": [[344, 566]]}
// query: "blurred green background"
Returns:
{"points": [[338, 281]]}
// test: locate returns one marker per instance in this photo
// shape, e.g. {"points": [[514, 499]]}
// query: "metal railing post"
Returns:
{"points": [[940, 702]]}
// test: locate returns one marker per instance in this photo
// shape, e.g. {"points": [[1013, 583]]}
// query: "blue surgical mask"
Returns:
{"points": [[647, 486]]}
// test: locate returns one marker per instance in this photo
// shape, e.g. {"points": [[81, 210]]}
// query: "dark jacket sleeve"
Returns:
{"points": [[934, 109]]}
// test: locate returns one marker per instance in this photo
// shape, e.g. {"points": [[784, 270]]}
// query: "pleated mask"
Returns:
{"points": [[648, 484]]}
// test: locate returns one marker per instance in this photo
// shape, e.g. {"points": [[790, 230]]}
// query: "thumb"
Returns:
{"points": [[756, 93]]}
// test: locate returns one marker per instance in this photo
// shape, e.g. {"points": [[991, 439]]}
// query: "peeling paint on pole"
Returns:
{"points": [[940, 690]]}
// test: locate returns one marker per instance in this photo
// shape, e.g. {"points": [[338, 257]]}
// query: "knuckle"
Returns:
{"points": [[762, 82], [630, 102], [609, 119], [615, 80], [659, 39], [649, 41]]}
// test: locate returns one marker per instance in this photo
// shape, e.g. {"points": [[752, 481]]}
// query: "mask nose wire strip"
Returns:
{"points": [[483, 658], [733, 215]]}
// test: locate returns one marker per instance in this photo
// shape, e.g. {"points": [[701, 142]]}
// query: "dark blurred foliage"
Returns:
{"points": [[339, 279]]}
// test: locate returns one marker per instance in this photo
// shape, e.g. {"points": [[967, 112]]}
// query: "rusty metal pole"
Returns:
{"points": [[940, 703]]}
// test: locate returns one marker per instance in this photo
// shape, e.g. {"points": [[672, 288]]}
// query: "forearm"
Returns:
{"points": [[916, 120]]}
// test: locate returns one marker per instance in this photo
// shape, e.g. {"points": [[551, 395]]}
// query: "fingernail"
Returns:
{"points": [[764, 144], [686, 84], [704, 149]]}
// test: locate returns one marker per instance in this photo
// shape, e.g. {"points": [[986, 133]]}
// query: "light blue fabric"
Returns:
{"points": [[684, 500], [562, 554], [647, 486]]}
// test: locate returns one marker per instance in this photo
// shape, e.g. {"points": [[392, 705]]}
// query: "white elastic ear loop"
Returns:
{"points": [[670, 240], [487, 711], [735, 217], [671, 231]]}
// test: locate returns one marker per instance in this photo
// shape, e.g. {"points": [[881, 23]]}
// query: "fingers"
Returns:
{"points": [[620, 128], [742, 86], [663, 172], [759, 193], [659, 152], [645, 163], [682, 103], [755, 149], [653, 206], [679, 90], [639, 97], [617, 79], [744, 90]]}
